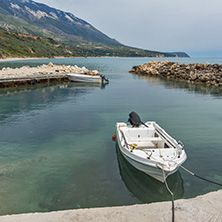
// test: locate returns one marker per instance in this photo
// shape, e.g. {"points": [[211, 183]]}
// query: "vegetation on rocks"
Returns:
{"points": [[209, 74]]}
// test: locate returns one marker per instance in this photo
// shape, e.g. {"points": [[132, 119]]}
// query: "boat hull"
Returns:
{"points": [[137, 182], [152, 171], [141, 161], [85, 78]]}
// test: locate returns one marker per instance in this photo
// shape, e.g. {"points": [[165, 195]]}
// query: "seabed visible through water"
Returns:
{"points": [[56, 148]]}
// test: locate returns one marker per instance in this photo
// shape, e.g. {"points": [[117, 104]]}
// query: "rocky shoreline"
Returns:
{"points": [[26, 75], [208, 74]]}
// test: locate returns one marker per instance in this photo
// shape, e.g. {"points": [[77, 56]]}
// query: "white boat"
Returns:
{"points": [[149, 148], [78, 77]]}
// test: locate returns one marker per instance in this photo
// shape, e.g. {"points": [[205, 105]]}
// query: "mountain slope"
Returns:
{"points": [[63, 24], [13, 44], [20, 45], [81, 38]]}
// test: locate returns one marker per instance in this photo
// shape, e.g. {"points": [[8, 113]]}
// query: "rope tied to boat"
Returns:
{"points": [[193, 174], [172, 195], [135, 146], [202, 178]]}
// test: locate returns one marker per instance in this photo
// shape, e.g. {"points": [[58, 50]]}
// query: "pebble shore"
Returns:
{"points": [[25, 75], [208, 74]]}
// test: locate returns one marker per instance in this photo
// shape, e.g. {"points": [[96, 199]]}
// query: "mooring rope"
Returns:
{"points": [[164, 177], [193, 174]]}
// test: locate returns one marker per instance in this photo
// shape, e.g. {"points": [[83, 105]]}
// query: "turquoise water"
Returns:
{"points": [[56, 150]]}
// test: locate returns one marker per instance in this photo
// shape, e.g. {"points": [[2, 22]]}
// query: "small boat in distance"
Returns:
{"points": [[147, 147], [78, 77]]}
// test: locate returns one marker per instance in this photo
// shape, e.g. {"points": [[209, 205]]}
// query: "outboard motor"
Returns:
{"points": [[104, 78], [134, 119]]}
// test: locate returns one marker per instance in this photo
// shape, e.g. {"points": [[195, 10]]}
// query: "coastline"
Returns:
{"points": [[27, 58], [55, 57], [205, 207]]}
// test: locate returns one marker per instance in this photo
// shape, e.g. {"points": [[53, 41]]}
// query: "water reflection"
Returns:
{"points": [[52, 86], [17, 100], [44, 112], [145, 188], [178, 84]]}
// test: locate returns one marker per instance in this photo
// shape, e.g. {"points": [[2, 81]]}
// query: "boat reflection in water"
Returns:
{"points": [[101, 85], [144, 187]]}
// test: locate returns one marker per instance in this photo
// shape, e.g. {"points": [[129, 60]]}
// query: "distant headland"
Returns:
{"points": [[31, 29]]}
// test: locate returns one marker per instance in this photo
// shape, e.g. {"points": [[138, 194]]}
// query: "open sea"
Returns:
{"points": [[56, 147]]}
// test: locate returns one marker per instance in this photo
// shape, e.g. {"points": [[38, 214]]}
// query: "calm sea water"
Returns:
{"points": [[56, 150]]}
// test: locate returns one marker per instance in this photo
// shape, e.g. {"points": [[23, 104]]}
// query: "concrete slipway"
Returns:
{"points": [[203, 208]]}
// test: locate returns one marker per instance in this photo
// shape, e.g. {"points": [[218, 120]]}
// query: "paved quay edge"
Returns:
{"points": [[205, 207]]}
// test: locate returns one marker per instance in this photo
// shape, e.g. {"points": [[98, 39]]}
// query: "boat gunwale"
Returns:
{"points": [[126, 151], [85, 75]]}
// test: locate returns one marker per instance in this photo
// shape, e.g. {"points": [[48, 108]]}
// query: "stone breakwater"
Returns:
{"points": [[10, 77], [209, 74]]}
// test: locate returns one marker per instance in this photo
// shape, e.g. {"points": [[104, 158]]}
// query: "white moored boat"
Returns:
{"points": [[149, 148], [78, 77]]}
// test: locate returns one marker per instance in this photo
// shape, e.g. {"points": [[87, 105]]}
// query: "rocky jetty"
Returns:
{"points": [[10, 77], [209, 74]]}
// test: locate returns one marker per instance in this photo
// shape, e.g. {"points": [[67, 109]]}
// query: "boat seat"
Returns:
{"points": [[151, 139], [149, 142], [153, 142], [146, 145], [138, 133], [143, 137]]}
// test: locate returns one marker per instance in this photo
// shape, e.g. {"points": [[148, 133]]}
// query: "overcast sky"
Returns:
{"points": [[192, 26]]}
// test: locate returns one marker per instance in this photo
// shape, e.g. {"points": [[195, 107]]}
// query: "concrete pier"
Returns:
{"points": [[41, 74], [202, 208], [31, 80]]}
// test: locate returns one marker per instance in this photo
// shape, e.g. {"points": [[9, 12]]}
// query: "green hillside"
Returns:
{"points": [[13, 44], [60, 34], [17, 45]]}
